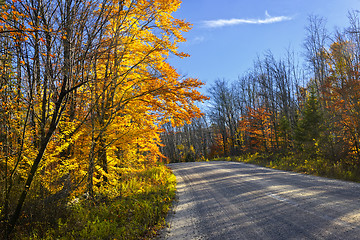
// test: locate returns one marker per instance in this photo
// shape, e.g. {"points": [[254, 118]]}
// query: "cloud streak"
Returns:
{"points": [[237, 21]]}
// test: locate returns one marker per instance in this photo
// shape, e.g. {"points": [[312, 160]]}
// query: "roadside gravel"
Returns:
{"points": [[227, 200]]}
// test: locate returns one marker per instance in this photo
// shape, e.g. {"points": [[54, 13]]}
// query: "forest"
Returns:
{"points": [[84, 90], [284, 112], [91, 110]]}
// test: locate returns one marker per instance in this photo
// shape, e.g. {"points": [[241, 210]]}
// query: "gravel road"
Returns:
{"points": [[227, 200]]}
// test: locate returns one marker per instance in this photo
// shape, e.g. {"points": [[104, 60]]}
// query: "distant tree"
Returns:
{"points": [[224, 113]]}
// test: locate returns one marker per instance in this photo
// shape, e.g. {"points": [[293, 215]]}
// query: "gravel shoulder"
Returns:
{"points": [[227, 200]]}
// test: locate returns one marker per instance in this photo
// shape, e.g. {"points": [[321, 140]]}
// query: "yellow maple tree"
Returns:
{"points": [[95, 88]]}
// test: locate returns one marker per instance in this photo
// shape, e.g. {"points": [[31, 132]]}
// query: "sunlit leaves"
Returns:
{"points": [[85, 88]]}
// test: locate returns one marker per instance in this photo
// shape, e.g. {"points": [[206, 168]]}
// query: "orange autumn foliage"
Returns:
{"points": [[256, 125]]}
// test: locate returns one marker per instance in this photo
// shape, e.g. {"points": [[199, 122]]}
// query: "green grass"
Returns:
{"points": [[138, 212], [296, 163]]}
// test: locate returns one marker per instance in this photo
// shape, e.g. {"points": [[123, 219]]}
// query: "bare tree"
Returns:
{"points": [[315, 45]]}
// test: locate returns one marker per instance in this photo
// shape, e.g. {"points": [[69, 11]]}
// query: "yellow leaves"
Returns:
{"points": [[180, 147], [132, 90], [182, 55], [3, 88], [167, 6]]}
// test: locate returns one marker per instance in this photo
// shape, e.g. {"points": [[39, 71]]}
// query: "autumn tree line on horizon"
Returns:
{"points": [[281, 107], [84, 90]]}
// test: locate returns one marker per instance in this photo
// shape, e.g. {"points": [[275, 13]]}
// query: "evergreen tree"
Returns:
{"points": [[309, 127]]}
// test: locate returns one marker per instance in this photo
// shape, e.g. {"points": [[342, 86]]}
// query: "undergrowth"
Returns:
{"points": [[292, 162], [138, 211]]}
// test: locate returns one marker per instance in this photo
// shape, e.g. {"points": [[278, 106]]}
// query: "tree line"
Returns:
{"points": [[282, 107]]}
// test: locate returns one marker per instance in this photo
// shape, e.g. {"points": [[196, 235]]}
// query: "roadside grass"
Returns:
{"points": [[292, 162], [138, 212]]}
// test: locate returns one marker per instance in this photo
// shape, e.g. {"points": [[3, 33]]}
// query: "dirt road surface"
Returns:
{"points": [[227, 200]]}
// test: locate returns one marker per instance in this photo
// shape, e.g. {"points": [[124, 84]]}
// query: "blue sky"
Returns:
{"points": [[228, 35]]}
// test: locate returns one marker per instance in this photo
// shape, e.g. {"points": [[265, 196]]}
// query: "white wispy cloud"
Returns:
{"points": [[236, 21], [199, 39]]}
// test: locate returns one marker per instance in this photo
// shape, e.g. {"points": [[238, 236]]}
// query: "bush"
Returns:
{"points": [[138, 211]]}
